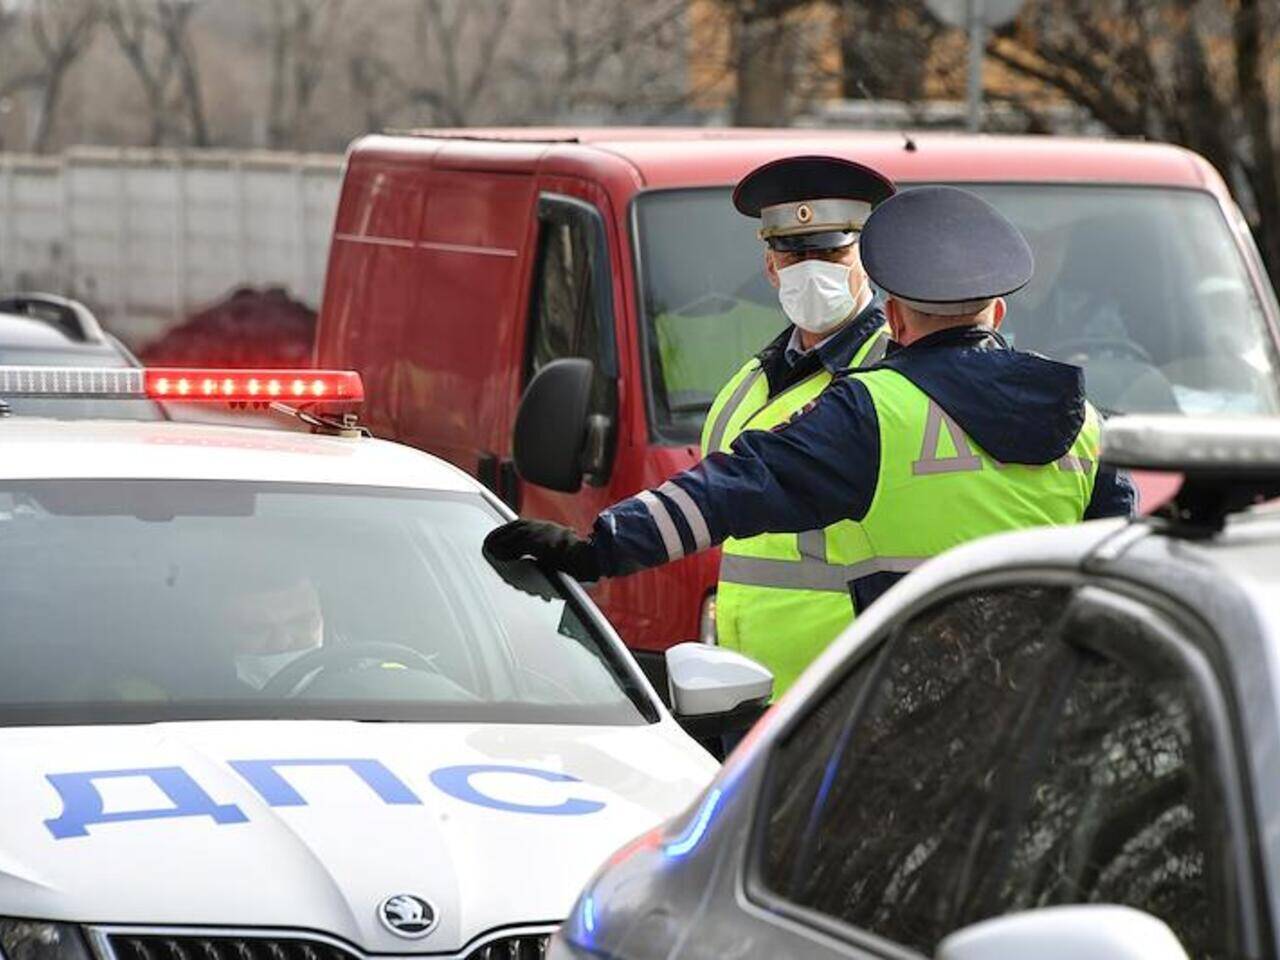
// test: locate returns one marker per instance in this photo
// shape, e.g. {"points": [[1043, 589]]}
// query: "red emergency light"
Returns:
{"points": [[184, 384], [252, 386]]}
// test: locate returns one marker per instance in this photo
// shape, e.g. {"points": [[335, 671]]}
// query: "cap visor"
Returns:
{"points": [[799, 243]]}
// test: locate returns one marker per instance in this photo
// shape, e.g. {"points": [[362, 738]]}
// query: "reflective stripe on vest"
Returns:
{"points": [[747, 388], [722, 417], [784, 597], [808, 574]]}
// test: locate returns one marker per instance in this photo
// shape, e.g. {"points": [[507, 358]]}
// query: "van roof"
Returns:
{"points": [[703, 156]]}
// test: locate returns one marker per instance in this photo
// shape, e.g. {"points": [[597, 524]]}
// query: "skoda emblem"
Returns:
{"points": [[407, 916], [804, 213]]}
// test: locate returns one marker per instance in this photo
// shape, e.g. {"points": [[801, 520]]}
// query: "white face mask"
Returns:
{"points": [[815, 294], [256, 669]]}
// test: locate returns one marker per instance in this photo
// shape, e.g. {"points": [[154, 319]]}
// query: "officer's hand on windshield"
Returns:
{"points": [[551, 544]]}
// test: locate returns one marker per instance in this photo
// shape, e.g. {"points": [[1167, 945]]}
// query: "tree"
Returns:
{"points": [[763, 59], [61, 30], [612, 59], [1198, 72], [302, 39], [445, 24], [886, 47], [450, 63], [154, 36]]}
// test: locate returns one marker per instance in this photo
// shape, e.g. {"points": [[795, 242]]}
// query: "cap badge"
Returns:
{"points": [[804, 213]]}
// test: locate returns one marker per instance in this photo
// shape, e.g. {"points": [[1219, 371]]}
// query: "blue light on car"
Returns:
{"points": [[692, 834], [589, 913]]}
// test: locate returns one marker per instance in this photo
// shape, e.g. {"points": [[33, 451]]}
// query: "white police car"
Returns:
{"points": [[1060, 743], [262, 698]]}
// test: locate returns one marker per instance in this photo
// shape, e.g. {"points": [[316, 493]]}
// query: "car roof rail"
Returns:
{"points": [[1228, 463], [72, 317]]}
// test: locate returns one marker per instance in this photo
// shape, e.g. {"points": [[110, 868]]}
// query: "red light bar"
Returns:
{"points": [[252, 386]]}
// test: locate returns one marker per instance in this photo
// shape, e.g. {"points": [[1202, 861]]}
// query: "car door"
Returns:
{"points": [[1009, 747]]}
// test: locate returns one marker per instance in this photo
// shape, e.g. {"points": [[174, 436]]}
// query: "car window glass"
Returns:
{"points": [[239, 599], [1124, 806], [565, 320], [989, 767], [563, 283], [896, 824]]}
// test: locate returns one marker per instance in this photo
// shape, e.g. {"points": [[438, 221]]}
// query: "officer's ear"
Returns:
{"points": [[997, 312], [893, 313], [771, 268]]}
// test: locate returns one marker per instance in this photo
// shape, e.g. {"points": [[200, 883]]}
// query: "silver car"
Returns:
{"points": [[1056, 743]]}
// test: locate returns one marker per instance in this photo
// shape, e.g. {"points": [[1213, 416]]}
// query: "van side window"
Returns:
{"points": [[565, 310]]}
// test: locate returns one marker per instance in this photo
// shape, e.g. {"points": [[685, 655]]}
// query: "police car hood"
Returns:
{"points": [[313, 824], [1019, 407]]}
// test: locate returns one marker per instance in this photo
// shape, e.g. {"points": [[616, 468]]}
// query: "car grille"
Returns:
{"points": [[129, 946], [530, 946], [133, 946]]}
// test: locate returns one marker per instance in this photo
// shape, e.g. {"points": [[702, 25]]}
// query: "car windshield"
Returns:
{"points": [[133, 600], [1145, 288]]}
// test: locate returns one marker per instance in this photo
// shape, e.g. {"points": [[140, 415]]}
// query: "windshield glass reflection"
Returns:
{"points": [[1144, 288]]}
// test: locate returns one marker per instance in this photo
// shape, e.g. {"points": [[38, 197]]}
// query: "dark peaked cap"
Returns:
{"points": [[944, 250], [810, 203]]}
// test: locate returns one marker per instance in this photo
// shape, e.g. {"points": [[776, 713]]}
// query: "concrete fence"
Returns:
{"points": [[146, 236]]}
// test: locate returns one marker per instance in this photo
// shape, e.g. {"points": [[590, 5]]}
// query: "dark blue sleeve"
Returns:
{"points": [[1114, 495], [819, 468]]}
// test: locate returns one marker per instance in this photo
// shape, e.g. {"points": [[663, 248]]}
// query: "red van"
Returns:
{"points": [[464, 262]]}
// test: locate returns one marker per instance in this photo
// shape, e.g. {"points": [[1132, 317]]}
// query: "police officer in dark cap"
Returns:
{"points": [[952, 436], [811, 211]]}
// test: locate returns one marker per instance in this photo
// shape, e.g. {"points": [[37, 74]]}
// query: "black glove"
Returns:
{"points": [[557, 547]]}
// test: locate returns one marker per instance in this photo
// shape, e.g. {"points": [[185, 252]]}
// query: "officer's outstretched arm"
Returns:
{"points": [[819, 468]]}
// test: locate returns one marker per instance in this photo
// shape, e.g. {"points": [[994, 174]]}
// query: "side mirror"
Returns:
{"points": [[714, 691], [1096, 931], [552, 424]]}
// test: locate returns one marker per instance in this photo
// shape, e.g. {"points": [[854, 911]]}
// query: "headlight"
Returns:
{"points": [[707, 620], [39, 940]]}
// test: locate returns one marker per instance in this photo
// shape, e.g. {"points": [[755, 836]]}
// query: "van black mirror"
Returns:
{"points": [[553, 426]]}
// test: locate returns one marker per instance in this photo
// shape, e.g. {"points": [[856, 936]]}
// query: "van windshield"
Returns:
{"points": [[1145, 288]]}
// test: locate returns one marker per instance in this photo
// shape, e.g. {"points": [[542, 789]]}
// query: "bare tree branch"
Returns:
{"points": [[303, 35], [154, 37], [1198, 72], [1262, 167], [174, 17], [61, 31]]}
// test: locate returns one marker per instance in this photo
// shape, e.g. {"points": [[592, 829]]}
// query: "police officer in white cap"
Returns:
{"points": [[780, 596]]}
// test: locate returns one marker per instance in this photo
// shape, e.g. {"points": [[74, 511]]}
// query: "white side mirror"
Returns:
{"points": [[707, 680], [1095, 931]]}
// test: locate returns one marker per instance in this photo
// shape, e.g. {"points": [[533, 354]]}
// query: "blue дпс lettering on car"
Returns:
{"points": [[82, 803]]}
